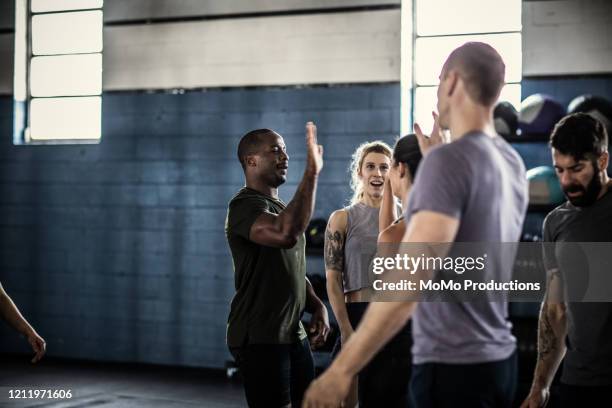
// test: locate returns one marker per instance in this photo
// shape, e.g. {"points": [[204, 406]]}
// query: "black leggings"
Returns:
{"points": [[384, 382]]}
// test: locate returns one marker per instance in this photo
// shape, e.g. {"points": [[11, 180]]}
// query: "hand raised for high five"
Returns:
{"points": [[314, 151], [436, 137]]}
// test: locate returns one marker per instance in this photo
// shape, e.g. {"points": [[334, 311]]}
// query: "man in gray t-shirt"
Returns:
{"points": [[473, 189], [480, 181], [580, 331]]}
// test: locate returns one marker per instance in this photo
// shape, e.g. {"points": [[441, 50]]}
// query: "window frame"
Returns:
{"points": [[409, 93], [22, 90]]}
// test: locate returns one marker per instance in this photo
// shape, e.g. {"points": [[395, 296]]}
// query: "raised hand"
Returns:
{"points": [[435, 138], [314, 151]]}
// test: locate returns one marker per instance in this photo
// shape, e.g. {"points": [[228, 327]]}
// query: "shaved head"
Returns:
{"points": [[250, 144], [481, 68]]}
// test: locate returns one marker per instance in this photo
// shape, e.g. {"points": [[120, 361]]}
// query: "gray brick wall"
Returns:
{"points": [[116, 251]]}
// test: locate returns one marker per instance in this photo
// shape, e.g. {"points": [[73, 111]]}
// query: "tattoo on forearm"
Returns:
{"points": [[547, 339], [334, 250]]}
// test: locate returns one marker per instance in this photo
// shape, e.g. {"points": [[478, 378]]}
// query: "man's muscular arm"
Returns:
{"points": [[552, 329], [284, 230], [380, 323]]}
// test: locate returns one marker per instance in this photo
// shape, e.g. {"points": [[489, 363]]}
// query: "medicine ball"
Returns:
{"points": [[596, 106], [505, 118], [544, 187], [539, 114]]}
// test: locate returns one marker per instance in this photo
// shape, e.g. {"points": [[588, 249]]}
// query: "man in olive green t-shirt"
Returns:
{"points": [[266, 239]]}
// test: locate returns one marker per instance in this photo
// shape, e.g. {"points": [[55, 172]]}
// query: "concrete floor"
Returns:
{"points": [[106, 385]]}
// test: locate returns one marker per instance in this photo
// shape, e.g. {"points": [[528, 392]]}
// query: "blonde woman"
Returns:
{"points": [[350, 245]]}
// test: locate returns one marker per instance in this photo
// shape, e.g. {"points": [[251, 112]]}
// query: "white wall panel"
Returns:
{"points": [[567, 37], [139, 9], [305, 49]]}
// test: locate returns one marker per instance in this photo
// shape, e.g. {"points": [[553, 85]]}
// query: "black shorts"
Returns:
{"points": [[275, 375]]}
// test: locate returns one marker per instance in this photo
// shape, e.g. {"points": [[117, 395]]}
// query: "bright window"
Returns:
{"points": [[441, 17], [441, 26], [58, 71]]}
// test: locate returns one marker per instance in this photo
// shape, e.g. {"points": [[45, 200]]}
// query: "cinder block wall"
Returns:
{"points": [[116, 251]]}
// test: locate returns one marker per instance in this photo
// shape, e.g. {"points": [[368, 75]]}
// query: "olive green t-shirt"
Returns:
{"points": [[270, 282]]}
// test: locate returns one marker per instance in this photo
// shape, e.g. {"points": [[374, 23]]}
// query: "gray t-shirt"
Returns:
{"points": [[588, 360], [479, 180]]}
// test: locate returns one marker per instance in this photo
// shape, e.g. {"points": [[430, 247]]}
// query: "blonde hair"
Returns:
{"points": [[357, 159]]}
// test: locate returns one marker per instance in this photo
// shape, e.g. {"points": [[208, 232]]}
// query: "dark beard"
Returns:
{"points": [[589, 194]]}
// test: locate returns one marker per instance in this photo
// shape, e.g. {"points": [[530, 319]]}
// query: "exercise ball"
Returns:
{"points": [[544, 187], [538, 115], [505, 118], [596, 106]]}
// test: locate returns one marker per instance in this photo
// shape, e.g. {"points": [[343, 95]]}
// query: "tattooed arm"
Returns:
{"points": [[552, 329], [335, 235]]}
